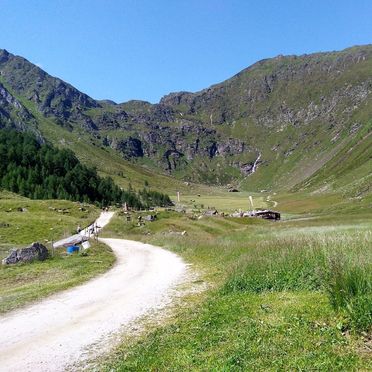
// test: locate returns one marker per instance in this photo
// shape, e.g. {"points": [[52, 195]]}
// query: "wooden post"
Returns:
{"points": [[251, 200]]}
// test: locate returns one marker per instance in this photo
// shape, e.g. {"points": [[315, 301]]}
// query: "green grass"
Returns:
{"points": [[349, 288], [44, 221], [22, 284], [246, 332], [41, 220], [276, 300], [222, 200], [337, 263]]}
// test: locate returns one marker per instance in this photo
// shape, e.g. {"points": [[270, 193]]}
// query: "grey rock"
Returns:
{"points": [[247, 168], [130, 148], [36, 251], [11, 259], [173, 159]]}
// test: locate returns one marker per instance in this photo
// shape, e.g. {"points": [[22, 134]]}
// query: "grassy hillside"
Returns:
{"points": [[350, 170], [91, 152], [23, 221], [297, 111], [41, 220], [299, 115]]}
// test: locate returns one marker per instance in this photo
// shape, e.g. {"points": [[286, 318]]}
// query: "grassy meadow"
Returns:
{"points": [[23, 221], [219, 199], [288, 295]]}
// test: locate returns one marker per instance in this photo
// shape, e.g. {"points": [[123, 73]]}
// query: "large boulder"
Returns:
{"points": [[11, 259], [36, 251]]}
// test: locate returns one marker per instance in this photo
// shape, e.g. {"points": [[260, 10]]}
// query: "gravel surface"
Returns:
{"points": [[75, 324]]}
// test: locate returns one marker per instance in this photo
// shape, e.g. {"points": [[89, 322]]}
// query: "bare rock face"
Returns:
{"points": [[130, 148], [173, 158], [14, 115], [36, 251]]}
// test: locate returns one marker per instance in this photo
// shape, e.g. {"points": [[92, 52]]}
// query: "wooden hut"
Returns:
{"points": [[266, 214]]}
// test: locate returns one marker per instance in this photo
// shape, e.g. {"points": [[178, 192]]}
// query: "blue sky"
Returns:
{"points": [[142, 49]]}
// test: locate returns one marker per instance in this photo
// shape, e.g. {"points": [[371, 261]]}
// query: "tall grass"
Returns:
{"points": [[349, 289], [276, 266], [339, 264]]}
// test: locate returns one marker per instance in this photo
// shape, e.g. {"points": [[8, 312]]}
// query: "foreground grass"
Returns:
{"points": [[246, 332], [274, 301]]}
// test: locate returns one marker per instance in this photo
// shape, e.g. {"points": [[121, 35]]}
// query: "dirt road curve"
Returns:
{"points": [[59, 331]]}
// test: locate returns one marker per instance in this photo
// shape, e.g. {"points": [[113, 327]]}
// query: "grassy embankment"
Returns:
{"points": [[44, 221], [292, 295]]}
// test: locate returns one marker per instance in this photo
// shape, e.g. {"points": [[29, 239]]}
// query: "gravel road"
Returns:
{"points": [[64, 328]]}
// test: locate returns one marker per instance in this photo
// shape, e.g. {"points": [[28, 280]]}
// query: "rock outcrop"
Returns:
{"points": [[36, 251]]}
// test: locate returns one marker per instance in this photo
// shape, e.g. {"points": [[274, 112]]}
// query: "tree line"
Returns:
{"points": [[42, 171], [150, 198]]}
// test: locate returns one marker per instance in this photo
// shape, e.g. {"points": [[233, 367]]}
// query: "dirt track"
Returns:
{"points": [[61, 330]]}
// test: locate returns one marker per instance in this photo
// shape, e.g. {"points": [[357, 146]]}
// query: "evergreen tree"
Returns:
{"points": [[41, 171]]}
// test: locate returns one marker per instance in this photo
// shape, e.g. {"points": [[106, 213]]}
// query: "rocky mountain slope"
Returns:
{"points": [[277, 124]]}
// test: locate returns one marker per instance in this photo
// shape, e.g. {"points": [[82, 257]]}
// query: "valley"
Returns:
{"points": [[267, 287], [292, 132]]}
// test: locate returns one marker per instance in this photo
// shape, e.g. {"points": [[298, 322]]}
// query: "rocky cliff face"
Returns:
{"points": [[286, 110], [51, 96], [290, 90], [14, 115]]}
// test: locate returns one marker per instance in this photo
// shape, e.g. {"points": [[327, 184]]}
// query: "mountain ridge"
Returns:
{"points": [[293, 110]]}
